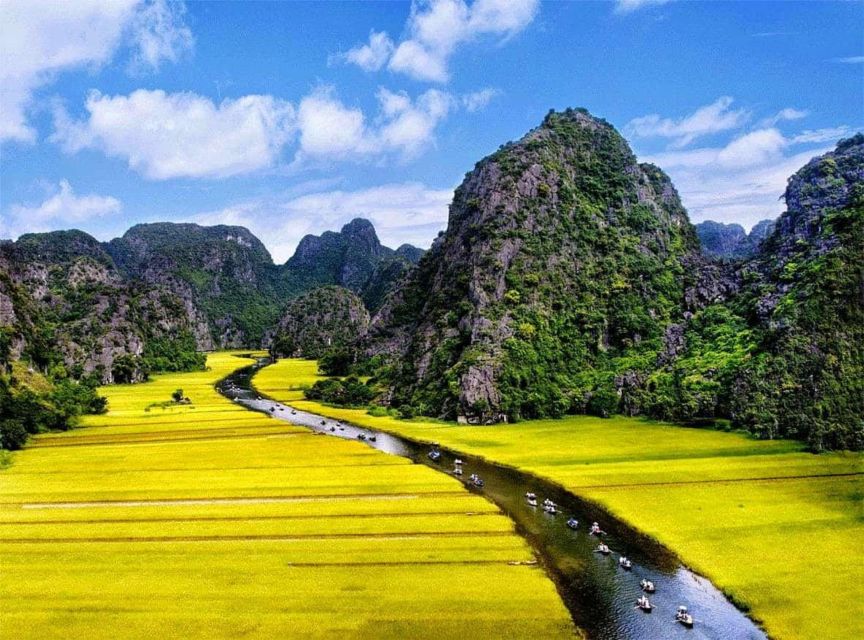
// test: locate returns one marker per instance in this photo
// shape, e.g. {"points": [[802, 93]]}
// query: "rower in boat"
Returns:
{"points": [[332, 429], [531, 498], [573, 523], [434, 455], [272, 409], [550, 507], [596, 530], [361, 436], [293, 412], [683, 616], [323, 423], [475, 480], [644, 604], [647, 586], [602, 548], [457, 470], [373, 437], [624, 563]]}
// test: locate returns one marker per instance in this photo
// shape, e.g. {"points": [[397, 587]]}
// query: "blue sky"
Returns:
{"points": [[294, 117]]}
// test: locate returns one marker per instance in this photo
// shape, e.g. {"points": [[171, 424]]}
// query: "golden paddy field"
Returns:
{"points": [[778, 529], [210, 521]]}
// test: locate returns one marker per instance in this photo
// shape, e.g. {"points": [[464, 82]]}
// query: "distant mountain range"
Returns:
{"points": [[88, 303], [569, 279]]}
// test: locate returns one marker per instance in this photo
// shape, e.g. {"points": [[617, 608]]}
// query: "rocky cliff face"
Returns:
{"points": [[63, 301], [353, 258], [562, 255], [325, 318], [730, 241], [224, 271]]}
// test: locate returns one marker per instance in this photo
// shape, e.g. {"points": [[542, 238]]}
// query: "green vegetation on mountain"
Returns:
{"points": [[323, 319], [569, 280], [559, 270]]}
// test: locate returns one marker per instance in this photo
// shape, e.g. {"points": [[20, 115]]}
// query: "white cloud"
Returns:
{"points": [[42, 38], [742, 181], [713, 118], [784, 115], [179, 135], [478, 100], [435, 29], [409, 212], [63, 208], [369, 57], [850, 60], [159, 34], [828, 134], [330, 130], [629, 6]]}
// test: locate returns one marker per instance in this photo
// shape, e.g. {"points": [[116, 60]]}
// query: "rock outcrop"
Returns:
{"points": [[325, 318]]}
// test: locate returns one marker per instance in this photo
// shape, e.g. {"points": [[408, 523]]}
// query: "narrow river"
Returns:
{"points": [[600, 595]]}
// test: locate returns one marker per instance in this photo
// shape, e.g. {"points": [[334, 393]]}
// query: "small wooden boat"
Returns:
{"points": [[644, 604], [373, 437], [332, 429], [475, 480], [647, 586], [272, 409], [624, 563], [323, 423], [457, 471], [361, 436], [573, 523], [596, 530], [457, 462], [293, 412], [602, 548], [550, 507], [684, 617], [434, 455]]}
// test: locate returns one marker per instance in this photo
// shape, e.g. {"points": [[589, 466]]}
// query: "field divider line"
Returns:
{"points": [[401, 514], [159, 502], [107, 443], [718, 481], [408, 535]]}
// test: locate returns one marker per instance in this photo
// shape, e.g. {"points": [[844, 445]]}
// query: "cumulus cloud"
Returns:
{"points": [[436, 28], [743, 180], [181, 135], [406, 212], [185, 135], [330, 130], [63, 208], [42, 38], [629, 6], [478, 100], [713, 118], [371, 56], [784, 115]]}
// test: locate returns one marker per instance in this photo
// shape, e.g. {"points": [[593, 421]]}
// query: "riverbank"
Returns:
{"points": [[777, 528], [206, 520]]}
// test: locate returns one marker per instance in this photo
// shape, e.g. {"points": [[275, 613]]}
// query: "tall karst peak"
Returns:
{"points": [[561, 238]]}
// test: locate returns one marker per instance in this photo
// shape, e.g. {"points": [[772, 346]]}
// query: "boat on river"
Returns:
{"points": [[683, 616], [602, 548], [361, 436], [624, 563], [573, 523], [596, 530], [476, 480], [372, 437], [644, 604], [531, 499], [647, 586]]}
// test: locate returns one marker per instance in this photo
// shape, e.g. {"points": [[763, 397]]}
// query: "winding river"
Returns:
{"points": [[600, 595]]}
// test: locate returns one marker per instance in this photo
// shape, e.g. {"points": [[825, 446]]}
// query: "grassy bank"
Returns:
{"points": [[207, 520], [779, 529]]}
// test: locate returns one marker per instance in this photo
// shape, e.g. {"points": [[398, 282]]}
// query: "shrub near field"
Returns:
{"points": [[779, 529], [205, 520]]}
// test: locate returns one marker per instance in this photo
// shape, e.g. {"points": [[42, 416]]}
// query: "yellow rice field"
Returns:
{"points": [[210, 521], [779, 529]]}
